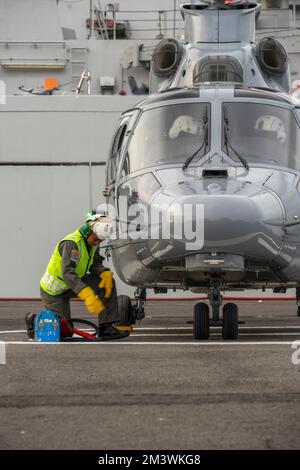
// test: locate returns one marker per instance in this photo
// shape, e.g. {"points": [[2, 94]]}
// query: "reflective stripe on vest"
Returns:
{"points": [[52, 281]]}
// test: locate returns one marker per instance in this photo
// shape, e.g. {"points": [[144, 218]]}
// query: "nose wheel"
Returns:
{"points": [[201, 321], [230, 321], [230, 327]]}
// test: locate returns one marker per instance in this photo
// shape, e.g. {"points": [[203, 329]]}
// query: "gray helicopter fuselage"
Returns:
{"points": [[246, 225]]}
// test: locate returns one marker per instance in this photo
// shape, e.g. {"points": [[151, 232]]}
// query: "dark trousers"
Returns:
{"points": [[60, 304]]}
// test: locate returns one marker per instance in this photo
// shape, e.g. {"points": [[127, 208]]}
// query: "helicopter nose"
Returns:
{"points": [[248, 223], [241, 224]]}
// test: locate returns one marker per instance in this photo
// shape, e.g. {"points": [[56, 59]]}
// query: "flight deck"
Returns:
{"points": [[157, 389]]}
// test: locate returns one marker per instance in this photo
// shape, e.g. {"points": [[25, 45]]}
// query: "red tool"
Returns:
{"points": [[67, 332]]}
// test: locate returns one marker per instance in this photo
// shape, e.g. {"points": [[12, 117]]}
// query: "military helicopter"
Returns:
{"points": [[214, 148]]}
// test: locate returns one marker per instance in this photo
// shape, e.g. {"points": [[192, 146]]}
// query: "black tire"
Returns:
{"points": [[201, 321], [230, 321], [125, 310], [298, 312]]}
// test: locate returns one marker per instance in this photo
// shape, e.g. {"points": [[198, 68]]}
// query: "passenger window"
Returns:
{"points": [[116, 147]]}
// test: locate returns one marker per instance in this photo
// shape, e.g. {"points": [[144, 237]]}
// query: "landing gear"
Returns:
{"points": [[138, 308], [131, 312], [230, 328], [215, 299], [201, 321], [230, 322], [125, 310]]}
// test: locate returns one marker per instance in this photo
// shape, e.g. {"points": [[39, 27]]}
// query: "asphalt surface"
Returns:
{"points": [[157, 389]]}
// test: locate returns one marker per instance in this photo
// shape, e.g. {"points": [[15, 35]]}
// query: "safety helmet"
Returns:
{"points": [[186, 124], [100, 225], [271, 124]]}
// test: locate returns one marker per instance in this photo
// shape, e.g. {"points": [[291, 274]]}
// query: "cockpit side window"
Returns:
{"points": [[115, 151]]}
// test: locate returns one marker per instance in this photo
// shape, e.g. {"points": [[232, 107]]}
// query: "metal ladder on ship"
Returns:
{"points": [[78, 64], [101, 22]]}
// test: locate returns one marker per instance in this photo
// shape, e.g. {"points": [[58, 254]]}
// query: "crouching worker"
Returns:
{"points": [[76, 270]]}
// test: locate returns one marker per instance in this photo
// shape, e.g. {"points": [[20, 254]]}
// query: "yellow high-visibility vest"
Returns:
{"points": [[52, 281]]}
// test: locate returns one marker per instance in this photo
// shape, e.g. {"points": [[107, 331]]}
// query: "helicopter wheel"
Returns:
{"points": [[201, 321], [230, 321], [125, 310]]}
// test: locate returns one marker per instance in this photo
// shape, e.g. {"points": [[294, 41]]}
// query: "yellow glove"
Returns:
{"points": [[92, 303], [106, 283]]}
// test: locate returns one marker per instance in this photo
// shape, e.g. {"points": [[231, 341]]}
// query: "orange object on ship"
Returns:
{"points": [[50, 83]]}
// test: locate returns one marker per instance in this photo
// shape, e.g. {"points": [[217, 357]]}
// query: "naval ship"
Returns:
{"points": [[68, 69]]}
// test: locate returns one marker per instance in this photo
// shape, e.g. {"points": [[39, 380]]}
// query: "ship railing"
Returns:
{"points": [[153, 24], [136, 24]]}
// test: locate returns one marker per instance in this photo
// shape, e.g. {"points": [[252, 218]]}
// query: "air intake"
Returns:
{"points": [[218, 69], [214, 174], [166, 57], [272, 56]]}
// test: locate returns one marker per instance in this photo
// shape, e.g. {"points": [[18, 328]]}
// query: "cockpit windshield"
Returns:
{"points": [[169, 134], [261, 133]]}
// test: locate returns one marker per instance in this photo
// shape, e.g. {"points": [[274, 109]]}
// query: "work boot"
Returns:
{"points": [[108, 331], [29, 322]]}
